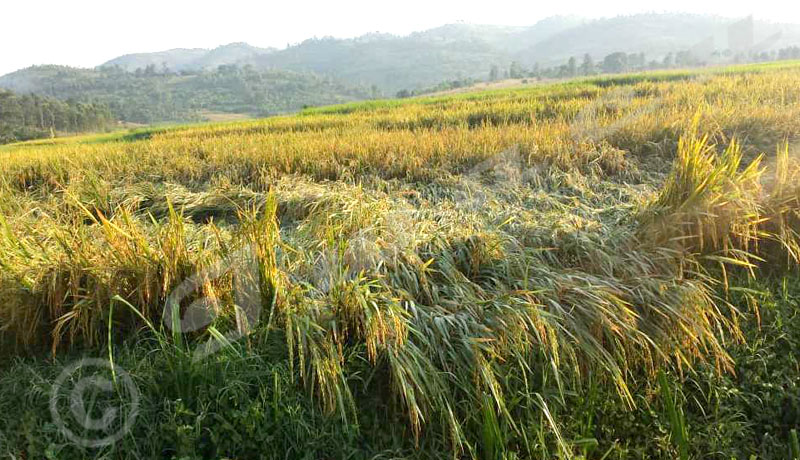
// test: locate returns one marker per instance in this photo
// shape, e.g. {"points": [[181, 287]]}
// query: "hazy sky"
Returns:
{"points": [[86, 33]]}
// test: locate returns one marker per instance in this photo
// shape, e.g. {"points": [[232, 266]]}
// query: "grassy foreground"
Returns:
{"points": [[599, 269]]}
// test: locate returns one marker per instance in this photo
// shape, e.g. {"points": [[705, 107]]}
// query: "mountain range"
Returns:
{"points": [[323, 70], [457, 51], [183, 59]]}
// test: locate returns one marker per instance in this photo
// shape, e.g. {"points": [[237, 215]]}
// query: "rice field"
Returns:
{"points": [[599, 269]]}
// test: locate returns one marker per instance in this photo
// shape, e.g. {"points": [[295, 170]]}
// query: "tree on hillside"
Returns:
{"points": [[587, 67], [792, 52], [31, 116], [516, 70], [685, 58], [536, 72], [572, 67], [494, 73], [668, 60], [615, 62], [637, 61]]}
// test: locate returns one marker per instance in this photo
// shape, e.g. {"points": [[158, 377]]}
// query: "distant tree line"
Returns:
{"points": [[792, 52], [443, 86], [30, 116], [619, 62]]}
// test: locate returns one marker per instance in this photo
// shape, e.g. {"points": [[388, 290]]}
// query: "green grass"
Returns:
{"points": [[603, 268]]}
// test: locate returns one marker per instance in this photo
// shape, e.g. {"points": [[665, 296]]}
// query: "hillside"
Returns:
{"points": [[149, 96], [189, 59], [419, 60], [463, 51], [600, 269], [653, 34], [176, 59], [388, 62], [505, 38]]}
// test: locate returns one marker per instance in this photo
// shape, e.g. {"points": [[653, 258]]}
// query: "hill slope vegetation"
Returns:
{"points": [[149, 95], [32, 117]]}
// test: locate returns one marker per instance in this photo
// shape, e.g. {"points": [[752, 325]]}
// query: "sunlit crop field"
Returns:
{"points": [[564, 270]]}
